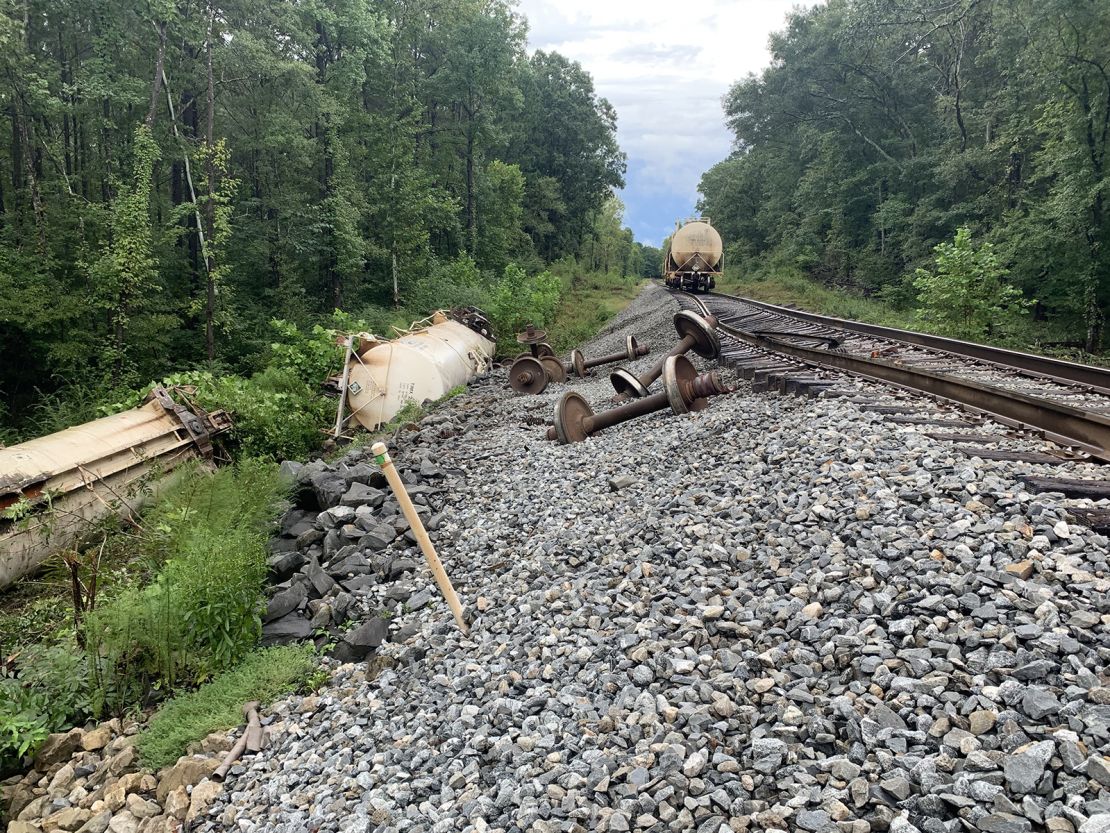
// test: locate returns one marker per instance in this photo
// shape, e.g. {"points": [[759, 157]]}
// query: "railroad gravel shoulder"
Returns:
{"points": [[775, 614]]}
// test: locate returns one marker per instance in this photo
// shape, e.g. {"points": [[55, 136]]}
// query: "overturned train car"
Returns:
{"points": [[449, 349], [694, 257], [52, 488]]}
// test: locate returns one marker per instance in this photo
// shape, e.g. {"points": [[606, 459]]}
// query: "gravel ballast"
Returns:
{"points": [[776, 614]]}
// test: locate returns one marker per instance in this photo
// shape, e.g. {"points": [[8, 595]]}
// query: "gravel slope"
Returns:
{"points": [[792, 615]]}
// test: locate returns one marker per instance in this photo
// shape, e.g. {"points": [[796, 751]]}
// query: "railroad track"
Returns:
{"points": [[799, 352]]}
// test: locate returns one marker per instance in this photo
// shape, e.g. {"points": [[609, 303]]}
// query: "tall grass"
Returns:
{"points": [[588, 301], [263, 675], [200, 614], [789, 287]]}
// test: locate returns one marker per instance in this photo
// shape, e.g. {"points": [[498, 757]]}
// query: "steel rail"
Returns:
{"points": [[1062, 423], [1097, 378]]}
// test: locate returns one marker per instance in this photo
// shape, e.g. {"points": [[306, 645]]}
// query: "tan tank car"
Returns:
{"points": [[694, 257]]}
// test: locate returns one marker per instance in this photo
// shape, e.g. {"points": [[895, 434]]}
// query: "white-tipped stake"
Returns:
{"points": [[381, 457]]}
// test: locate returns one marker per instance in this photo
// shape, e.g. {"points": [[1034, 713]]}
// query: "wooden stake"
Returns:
{"points": [[381, 457], [339, 420]]}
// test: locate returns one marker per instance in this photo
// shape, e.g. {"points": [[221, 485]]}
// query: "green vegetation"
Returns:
{"points": [[589, 301], [200, 613], [44, 697], [383, 159], [186, 608], [789, 286], [966, 296], [263, 675], [882, 128]]}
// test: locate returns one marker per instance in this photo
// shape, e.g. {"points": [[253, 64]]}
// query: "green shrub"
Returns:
{"points": [[200, 615], [967, 296], [47, 694], [518, 299], [263, 675]]}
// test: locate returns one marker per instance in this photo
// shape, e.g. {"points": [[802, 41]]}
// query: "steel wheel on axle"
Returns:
{"points": [[571, 412], [626, 384], [631, 346], [706, 343], [578, 362], [527, 376], [555, 370], [679, 372]]}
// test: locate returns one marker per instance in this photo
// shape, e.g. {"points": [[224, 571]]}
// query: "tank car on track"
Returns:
{"points": [[694, 257]]}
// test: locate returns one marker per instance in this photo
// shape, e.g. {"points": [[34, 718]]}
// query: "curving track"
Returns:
{"points": [[1065, 402]]}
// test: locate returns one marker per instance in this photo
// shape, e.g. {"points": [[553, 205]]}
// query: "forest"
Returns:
{"points": [[175, 176], [883, 129]]}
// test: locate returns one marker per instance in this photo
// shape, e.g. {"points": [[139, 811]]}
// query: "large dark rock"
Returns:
{"points": [[310, 536], [283, 565], [361, 473], [395, 567], [280, 545], [329, 488], [379, 537], [430, 469], [321, 582], [340, 605], [285, 602], [290, 628], [333, 542], [357, 583], [343, 552], [358, 643], [290, 471], [292, 523], [353, 565], [359, 494]]}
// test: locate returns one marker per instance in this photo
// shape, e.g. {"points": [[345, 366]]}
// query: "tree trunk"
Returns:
{"points": [[471, 217], [1093, 315], [25, 138], [159, 65], [210, 207]]}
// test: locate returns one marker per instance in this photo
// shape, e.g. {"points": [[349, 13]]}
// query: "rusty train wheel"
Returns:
{"points": [[578, 362], [528, 376], [626, 384], [706, 343], [555, 370], [571, 412]]}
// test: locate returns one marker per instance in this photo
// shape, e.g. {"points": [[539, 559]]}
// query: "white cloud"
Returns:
{"points": [[665, 67]]}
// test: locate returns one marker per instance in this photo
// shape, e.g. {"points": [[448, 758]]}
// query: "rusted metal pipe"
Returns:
{"points": [[250, 740], [696, 333], [581, 365], [684, 390]]}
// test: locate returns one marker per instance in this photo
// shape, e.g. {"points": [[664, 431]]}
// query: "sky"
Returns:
{"points": [[665, 66]]}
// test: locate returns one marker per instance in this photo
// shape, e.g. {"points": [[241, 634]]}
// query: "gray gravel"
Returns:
{"points": [[776, 614]]}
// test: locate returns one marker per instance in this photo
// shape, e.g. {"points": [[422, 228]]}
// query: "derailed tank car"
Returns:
{"points": [[694, 257]]}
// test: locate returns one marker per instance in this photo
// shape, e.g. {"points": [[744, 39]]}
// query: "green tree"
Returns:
{"points": [[124, 273], [967, 295]]}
